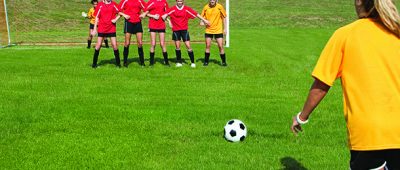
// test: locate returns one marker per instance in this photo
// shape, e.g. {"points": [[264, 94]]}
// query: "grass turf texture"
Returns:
{"points": [[56, 112]]}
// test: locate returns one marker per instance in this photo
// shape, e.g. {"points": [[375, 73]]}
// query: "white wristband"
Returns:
{"points": [[299, 120]]}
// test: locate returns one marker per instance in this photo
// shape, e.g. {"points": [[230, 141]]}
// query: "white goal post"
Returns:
{"points": [[6, 30], [227, 40]]}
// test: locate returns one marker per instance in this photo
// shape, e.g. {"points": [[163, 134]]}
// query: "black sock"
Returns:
{"points": [[126, 53], [141, 56], [106, 42], [95, 57], [223, 58], [206, 57], [117, 60], [89, 42], [191, 56], [151, 58], [178, 56], [165, 55]]}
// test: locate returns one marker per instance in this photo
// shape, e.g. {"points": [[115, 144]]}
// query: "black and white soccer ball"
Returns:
{"points": [[235, 131]]}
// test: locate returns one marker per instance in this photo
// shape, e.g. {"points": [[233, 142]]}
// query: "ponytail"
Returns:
{"points": [[389, 15]]}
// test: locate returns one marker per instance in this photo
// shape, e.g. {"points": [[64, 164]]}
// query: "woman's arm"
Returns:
{"points": [[203, 19], [169, 23], [225, 26], [156, 16], [164, 17], [94, 32], [144, 14], [317, 92], [123, 14], [116, 19]]}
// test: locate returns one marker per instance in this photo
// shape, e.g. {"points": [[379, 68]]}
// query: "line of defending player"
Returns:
{"points": [[107, 13]]}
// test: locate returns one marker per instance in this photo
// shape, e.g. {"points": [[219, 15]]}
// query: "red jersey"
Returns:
{"points": [[159, 7], [106, 13], [180, 17], [132, 8]]}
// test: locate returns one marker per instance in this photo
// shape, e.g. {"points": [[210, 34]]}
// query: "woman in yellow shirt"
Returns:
{"points": [[365, 55], [216, 15], [92, 19]]}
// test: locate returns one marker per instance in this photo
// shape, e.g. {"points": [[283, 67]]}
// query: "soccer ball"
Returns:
{"points": [[84, 14], [235, 131]]}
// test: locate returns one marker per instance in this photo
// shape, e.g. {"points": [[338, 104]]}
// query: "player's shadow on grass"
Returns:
{"points": [[210, 61], [170, 60], [106, 62], [161, 60], [290, 163], [133, 60], [112, 61]]}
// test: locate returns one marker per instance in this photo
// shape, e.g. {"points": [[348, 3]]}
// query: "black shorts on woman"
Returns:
{"points": [[181, 35], [157, 30], [113, 34], [206, 35], [133, 28], [375, 159]]}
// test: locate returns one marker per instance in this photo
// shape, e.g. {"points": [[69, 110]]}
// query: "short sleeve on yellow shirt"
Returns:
{"points": [[329, 65]]}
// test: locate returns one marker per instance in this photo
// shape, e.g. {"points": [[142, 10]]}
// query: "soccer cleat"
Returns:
{"points": [[205, 64], [224, 64], [118, 65], [94, 66], [178, 64], [88, 47], [126, 65], [193, 65]]}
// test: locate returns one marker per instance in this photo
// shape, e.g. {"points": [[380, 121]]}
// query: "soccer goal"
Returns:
{"points": [[54, 22]]}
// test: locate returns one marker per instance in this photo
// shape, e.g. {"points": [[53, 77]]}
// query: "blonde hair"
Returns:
{"points": [[388, 15]]}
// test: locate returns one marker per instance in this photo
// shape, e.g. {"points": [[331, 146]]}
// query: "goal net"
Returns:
{"points": [[57, 22]]}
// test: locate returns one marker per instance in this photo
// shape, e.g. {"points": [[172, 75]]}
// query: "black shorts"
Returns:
{"points": [[157, 30], [133, 28], [107, 34], [213, 36], [181, 35], [375, 159], [91, 26]]}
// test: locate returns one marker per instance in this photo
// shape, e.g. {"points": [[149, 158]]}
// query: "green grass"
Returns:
{"points": [[58, 113]]}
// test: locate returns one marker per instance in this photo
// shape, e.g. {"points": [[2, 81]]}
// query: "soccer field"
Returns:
{"points": [[56, 112]]}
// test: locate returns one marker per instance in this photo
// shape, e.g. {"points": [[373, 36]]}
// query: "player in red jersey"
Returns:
{"points": [[180, 15], [106, 18], [155, 9], [133, 25], [94, 15]]}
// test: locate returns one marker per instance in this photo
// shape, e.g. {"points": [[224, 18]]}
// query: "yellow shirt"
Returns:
{"points": [[216, 17], [91, 16], [366, 57]]}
